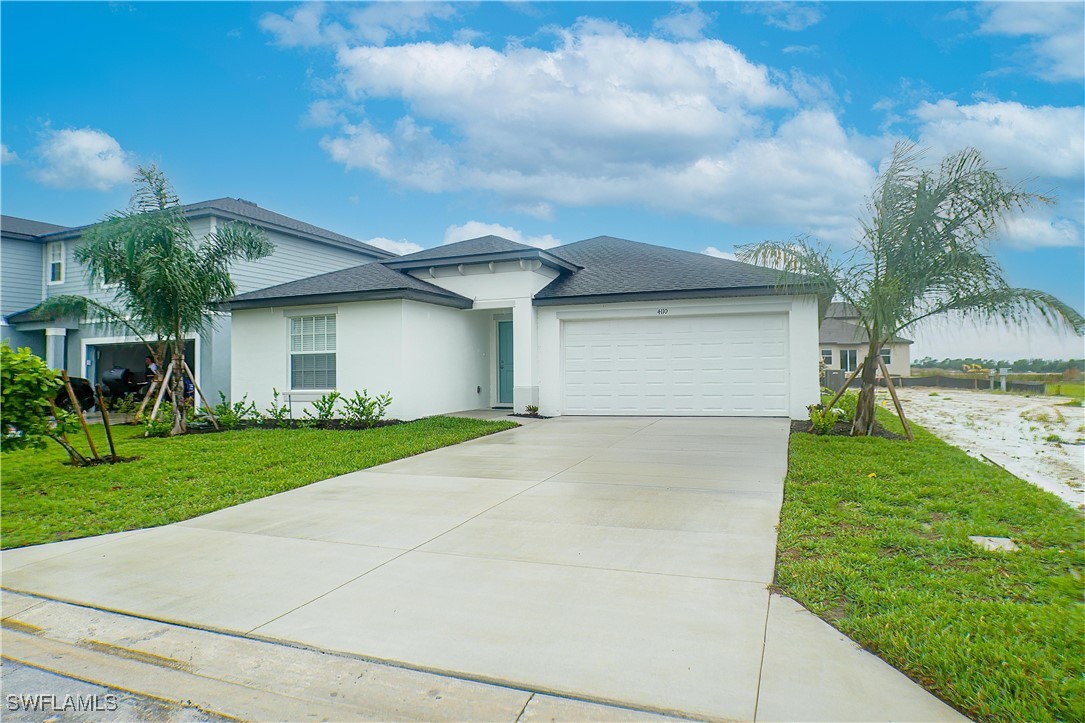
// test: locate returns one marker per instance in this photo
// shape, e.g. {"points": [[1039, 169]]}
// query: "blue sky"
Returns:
{"points": [[698, 126]]}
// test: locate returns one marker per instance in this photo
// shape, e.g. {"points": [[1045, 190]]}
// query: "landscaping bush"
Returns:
{"points": [[28, 384], [276, 413], [160, 426], [822, 418], [847, 404], [325, 410], [364, 410], [230, 416]]}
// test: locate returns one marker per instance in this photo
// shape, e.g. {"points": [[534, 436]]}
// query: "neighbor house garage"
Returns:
{"points": [[604, 326]]}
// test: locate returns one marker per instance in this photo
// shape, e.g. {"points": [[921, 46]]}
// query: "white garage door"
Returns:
{"points": [[734, 365]]}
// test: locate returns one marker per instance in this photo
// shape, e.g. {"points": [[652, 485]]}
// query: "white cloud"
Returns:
{"points": [[686, 22], [475, 229], [315, 23], [540, 210], [786, 15], [323, 113], [1035, 230], [300, 26], [811, 49], [401, 247], [1057, 29], [607, 117], [467, 36], [82, 158], [7, 155], [379, 21], [713, 251], [359, 146], [1039, 141]]}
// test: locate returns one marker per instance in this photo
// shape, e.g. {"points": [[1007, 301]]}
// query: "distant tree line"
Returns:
{"points": [[1037, 366]]}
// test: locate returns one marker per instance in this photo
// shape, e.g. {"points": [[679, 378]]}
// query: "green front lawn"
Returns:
{"points": [[45, 500], [887, 560]]}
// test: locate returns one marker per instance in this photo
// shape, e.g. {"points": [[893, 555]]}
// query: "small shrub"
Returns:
{"points": [[230, 416], [364, 410], [27, 384], [933, 394], [161, 426], [532, 409], [325, 409], [128, 404], [277, 413], [822, 419], [1054, 438], [847, 404]]}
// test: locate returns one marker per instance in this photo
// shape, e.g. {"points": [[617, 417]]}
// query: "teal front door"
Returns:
{"points": [[504, 362]]}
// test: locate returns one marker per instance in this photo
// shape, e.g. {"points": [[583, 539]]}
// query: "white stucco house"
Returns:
{"points": [[603, 326]]}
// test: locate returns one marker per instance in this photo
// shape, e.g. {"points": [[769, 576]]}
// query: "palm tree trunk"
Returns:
{"points": [[863, 424], [180, 413]]}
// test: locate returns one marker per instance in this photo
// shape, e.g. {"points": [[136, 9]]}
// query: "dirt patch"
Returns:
{"points": [[842, 429], [1039, 439]]}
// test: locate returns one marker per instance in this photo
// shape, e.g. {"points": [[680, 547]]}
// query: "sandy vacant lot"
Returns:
{"points": [[1012, 430]]}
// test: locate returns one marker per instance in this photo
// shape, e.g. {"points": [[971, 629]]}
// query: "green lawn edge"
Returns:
{"points": [[42, 499], [873, 538]]}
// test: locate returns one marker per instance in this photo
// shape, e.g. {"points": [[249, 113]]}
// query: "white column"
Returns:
{"points": [[525, 389], [54, 348]]}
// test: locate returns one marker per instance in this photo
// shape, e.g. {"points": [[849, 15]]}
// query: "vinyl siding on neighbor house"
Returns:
{"points": [[292, 259], [23, 275]]}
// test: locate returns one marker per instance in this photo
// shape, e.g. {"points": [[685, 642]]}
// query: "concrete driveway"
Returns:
{"points": [[620, 560]]}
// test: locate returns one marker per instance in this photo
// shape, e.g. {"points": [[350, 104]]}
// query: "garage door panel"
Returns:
{"points": [[704, 365]]}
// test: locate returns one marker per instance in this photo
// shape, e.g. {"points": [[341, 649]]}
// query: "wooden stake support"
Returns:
{"points": [[896, 401], [146, 398], [76, 458], [79, 413], [206, 405], [847, 383], [105, 422], [162, 391]]}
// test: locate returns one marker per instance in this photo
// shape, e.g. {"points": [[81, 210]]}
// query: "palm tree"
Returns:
{"points": [[167, 282], [922, 253]]}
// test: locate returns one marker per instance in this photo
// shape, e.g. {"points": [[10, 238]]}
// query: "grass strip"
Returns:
{"points": [[45, 500], [874, 539]]}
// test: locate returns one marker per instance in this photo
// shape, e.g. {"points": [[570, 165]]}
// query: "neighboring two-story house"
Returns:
{"points": [[844, 343], [38, 261]]}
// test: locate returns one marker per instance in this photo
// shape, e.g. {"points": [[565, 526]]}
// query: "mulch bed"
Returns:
{"points": [[529, 416], [336, 424], [843, 429]]}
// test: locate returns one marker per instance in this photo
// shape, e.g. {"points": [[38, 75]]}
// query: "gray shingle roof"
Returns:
{"points": [[249, 211], [359, 283], [841, 310], [471, 247], [27, 227], [614, 266], [242, 210], [838, 331]]}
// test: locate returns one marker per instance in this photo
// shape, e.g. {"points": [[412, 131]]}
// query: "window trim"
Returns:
{"points": [[886, 354], [290, 353], [49, 261], [827, 358]]}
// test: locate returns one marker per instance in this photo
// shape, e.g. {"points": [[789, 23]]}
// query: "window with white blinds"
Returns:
{"points": [[312, 352]]}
